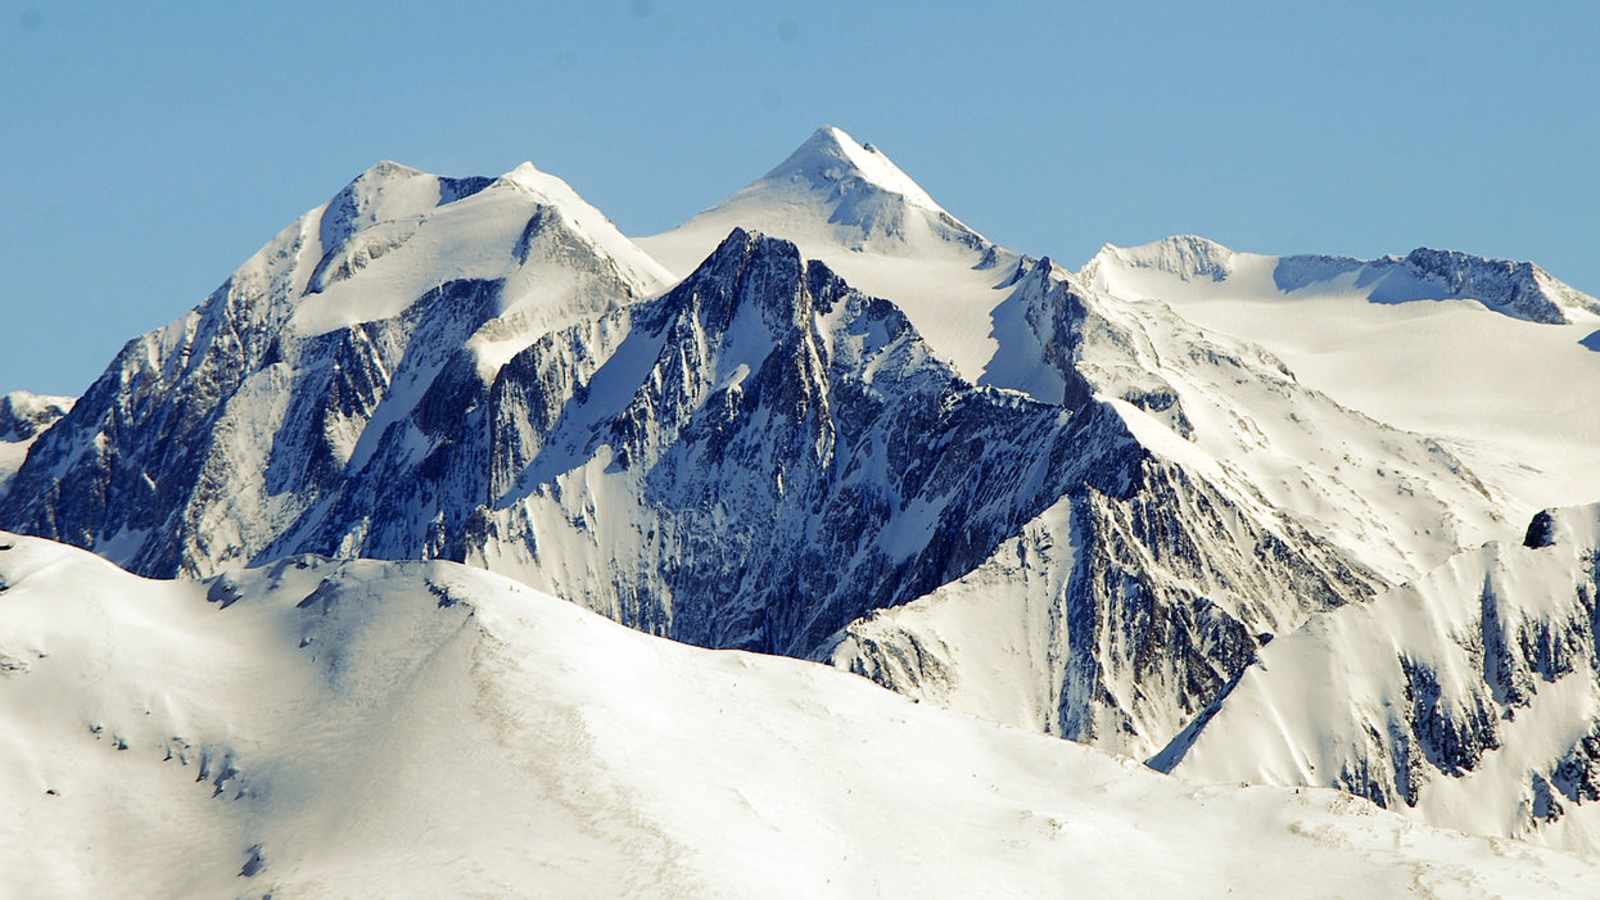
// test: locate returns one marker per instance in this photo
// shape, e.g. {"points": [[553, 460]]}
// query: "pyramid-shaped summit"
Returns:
{"points": [[831, 157], [833, 195]]}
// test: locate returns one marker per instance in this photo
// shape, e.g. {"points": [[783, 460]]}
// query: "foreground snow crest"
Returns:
{"points": [[316, 728]]}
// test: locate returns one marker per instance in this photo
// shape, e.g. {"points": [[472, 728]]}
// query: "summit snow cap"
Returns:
{"points": [[830, 156]]}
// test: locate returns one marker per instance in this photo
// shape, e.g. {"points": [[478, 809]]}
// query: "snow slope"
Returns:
{"points": [[847, 204], [1486, 355], [1469, 699], [321, 729]]}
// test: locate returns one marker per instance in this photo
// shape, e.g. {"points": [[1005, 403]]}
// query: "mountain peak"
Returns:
{"points": [[388, 168], [1187, 256], [24, 414], [831, 156], [846, 203]]}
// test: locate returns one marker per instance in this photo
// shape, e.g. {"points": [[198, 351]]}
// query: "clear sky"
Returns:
{"points": [[148, 151]]}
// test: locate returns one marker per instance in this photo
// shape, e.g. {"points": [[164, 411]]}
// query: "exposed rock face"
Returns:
{"points": [[753, 460], [23, 417], [1519, 289], [1111, 619], [1541, 530]]}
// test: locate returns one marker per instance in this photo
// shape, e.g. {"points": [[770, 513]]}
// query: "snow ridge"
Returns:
{"points": [[1518, 289]]}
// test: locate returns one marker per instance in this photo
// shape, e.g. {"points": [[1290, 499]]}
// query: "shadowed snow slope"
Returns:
{"points": [[321, 729]]}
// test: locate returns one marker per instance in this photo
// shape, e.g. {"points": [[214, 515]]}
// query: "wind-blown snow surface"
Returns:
{"points": [[322, 729]]}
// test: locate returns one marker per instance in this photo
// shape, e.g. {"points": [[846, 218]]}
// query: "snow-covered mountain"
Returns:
{"points": [[320, 728], [1256, 466], [755, 459], [203, 440], [1431, 343], [23, 417], [1469, 699], [834, 422], [847, 204], [1294, 446]]}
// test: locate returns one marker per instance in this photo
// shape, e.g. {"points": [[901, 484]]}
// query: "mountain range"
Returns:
{"points": [[1299, 521]]}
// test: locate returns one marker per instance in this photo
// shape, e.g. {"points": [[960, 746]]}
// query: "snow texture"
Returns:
{"points": [[321, 728]]}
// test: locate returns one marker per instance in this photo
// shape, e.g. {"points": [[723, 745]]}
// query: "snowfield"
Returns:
{"points": [[327, 729], [1507, 385]]}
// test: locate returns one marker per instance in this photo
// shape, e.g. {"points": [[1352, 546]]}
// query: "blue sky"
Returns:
{"points": [[148, 151]]}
